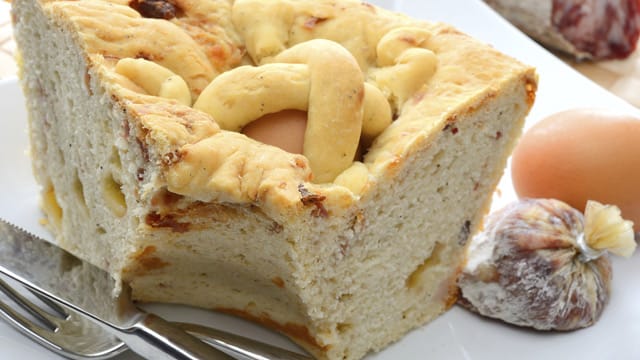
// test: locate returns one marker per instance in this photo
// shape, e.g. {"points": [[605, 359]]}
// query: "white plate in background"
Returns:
{"points": [[456, 335]]}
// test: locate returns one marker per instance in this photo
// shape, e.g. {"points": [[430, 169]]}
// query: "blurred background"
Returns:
{"points": [[7, 47]]}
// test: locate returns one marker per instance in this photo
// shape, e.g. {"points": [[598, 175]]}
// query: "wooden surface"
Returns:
{"points": [[620, 77]]}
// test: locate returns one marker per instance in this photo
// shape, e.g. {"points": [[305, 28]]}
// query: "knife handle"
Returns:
{"points": [[155, 338]]}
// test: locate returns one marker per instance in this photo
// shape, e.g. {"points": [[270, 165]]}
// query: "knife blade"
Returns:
{"points": [[48, 269]]}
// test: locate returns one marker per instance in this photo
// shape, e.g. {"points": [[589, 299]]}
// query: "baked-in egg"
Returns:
{"points": [[284, 129], [579, 155]]}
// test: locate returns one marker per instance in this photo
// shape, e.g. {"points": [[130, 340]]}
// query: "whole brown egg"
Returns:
{"points": [[579, 155]]}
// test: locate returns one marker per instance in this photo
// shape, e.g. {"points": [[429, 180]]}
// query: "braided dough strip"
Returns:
{"points": [[239, 96], [155, 79], [405, 63], [318, 76], [335, 105]]}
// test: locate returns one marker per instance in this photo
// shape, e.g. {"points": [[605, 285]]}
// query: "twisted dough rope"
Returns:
{"points": [[155, 79], [405, 63], [319, 76]]}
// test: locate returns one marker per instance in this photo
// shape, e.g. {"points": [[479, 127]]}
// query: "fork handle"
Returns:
{"points": [[155, 338]]}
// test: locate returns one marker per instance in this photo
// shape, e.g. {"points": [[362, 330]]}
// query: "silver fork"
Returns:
{"points": [[69, 334], [59, 330]]}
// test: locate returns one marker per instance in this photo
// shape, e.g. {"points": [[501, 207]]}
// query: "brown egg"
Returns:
{"points": [[284, 129], [579, 155]]}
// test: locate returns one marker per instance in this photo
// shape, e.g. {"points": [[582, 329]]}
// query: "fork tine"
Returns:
{"points": [[26, 304], [28, 327], [60, 335], [64, 314]]}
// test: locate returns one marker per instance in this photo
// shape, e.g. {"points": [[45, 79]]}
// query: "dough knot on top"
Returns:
{"points": [[351, 89], [318, 76], [348, 106]]}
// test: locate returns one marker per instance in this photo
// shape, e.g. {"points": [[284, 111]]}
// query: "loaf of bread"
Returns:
{"points": [[344, 248]]}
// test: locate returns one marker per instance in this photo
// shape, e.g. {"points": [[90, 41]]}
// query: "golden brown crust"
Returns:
{"points": [[273, 181]]}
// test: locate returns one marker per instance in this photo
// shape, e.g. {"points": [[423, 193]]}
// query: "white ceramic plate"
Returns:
{"points": [[456, 335]]}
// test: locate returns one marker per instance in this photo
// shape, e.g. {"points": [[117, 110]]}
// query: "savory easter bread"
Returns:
{"points": [[136, 112]]}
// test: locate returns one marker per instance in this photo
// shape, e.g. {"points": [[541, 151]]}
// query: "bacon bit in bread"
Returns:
{"points": [[357, 223], [450, 127], [156, 220], [156, 9], [308, 198], [146, 56], [148, 261], [87, 82], [144, 150], [171, 158], [465, 231], [344, 246], [165, 198], [126, 130], [278, 282], [276, 228], [140, 174]]}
